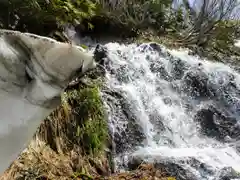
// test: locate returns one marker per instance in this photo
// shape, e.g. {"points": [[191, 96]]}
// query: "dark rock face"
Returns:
{"points": [[134, 162], [169, 167], [101, 58], [129, 134], [179, 170], [196, 84], [121, 74], [155, 47], [176, 170], [228, 174], [217, 123], [178, 68], [100, 54]]}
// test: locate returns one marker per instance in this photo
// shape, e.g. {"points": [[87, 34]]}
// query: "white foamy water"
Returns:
{"points": [[164, 104], [237, 43]]}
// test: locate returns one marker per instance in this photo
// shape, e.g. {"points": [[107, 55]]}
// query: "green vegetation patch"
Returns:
{"points": [[44, 17], [88, 109]]}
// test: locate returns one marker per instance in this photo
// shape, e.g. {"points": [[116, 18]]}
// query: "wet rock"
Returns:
{"points": [[99, 71], [228, 174], [159, 69], [173, 169], [217, 123], [155, 47], [180, 168], [121, 74], [127, 134], [143, 47], [100, 54], [196, 84], [170, 167], [207, 171], [132, 134], [178, 67], [144, 171], [134, 162], [203, 169], [156, 119], [128, 138], [206, 119], [228, 91]]}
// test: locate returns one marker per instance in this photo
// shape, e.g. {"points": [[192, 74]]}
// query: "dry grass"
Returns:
{"points": [[39, 161], [56, 151]]}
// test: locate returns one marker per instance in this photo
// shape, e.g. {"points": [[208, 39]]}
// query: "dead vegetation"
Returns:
{"points": [[69, 144], [39, 162]]}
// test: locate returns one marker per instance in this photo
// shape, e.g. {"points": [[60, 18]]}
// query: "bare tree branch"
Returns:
{"points": [[206, 16]]}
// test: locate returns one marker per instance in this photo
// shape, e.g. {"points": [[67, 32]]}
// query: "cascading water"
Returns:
{"points": [[169, 107]]}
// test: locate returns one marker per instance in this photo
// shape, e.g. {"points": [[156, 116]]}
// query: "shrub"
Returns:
{"points": [[44, 16], [88, 110], [128, 18], [225, 33]]}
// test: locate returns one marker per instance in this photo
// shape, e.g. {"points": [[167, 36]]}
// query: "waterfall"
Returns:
{"points": [[168, 107]]}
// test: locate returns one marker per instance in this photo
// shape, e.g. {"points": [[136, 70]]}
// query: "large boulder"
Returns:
{"points": [[127, 134], [196, 83], [217, 123]]}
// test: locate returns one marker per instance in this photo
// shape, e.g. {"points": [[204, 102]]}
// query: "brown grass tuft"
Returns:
{"points": [[57, 151]]}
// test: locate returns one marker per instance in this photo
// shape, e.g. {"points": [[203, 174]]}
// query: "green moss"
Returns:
{"points": [[91, 128], [83, 46]]}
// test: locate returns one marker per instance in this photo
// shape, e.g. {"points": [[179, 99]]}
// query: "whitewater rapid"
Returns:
{"points": [[237, 43], [164, 96]]}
